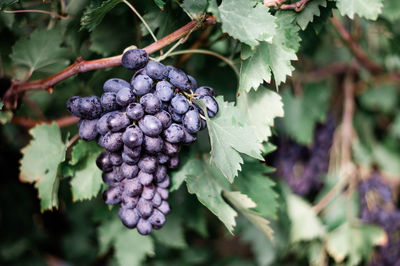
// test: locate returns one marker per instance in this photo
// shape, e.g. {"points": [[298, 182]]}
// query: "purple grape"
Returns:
{"points": [[155, 70], [148, 164], [150, 125], [174, 133], [129, 160], [90, 107], [133, 153], [88, 130], [211, 104], [124, 97], [157, 218], [145, 178], [145, 207], [111, 141], [141, 85], [148, 191], [73, 105], [162, 158], [164, 193], [173, 162], [134, 59], [180, 104], [164, 91], [165, 118], [115, 85], [179, 79], [112, 195], [170, 148], [129, 171], [109, 102], [129, 217], [156, 200], [132, 136], [103, 162], [150, 103], [205, 91], [115, 158], [116, 121], [129, 202], [188, 138], [164, 207], [165, 183], [135, 111], [102, 126], [192, 121], [160, 173], [144, 227], [153, 145], [193, 83], [132, 187]]}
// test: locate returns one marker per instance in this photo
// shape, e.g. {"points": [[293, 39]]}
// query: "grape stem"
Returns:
{"points": [[11, 96], [36, 11]]}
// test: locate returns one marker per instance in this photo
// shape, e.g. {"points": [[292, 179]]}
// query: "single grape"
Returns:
{"points": [[148, 164], [211, 104], [111, 141], [157, 218], [129, 202], [188, 138], [112, 195], [115, 158], [162, 158], [133, 187], [124, 97], [115, 85], [160, 173], [164, 91], [141, 85], [145, 207], [133, 153], [87, 129], [103, 162], [156, 200], [179, 79], [164, 117], [129, 171], [141, 71], [193, 83], [180, 104], [129, 160], [174, 133], [73, 105], [135, 59], [177, 118], [165, 183], [155, 70], [90, 107], [144, 227], [168, 69], [164, 193], [117, 121], [170, 148], [150, 103], [132, 136], [135, 111], [108, 102], [205, 91], [192, 121], [173, 162], [164, 207], [102, 126], [148, 191], [145, 178], [129, 217], [150, 125], [153, 145]]}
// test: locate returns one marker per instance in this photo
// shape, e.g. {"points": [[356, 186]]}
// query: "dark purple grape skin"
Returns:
{"points": [[205, 91], [150, 125], [193, 83], [174, 133], [145, 178], [112, 195], [109, 102], [150, 103], [164, 91], [133, 187], [179, 79], [192, 121], [164, 193], [188, 138], [115, 85], [155, 70], [157, 218], [133, 153], [177, 118], [88, 130], [116, 158], [90, 107], [153, 145], [160, 173], [102, 126], [133, 136], [117, 121], [129, 202], [73, 105], [124, 97], [164, 207], [135, 59], [171, 149], [103, 162], [135, 111], [173, 162], [162, 158], [144, 227], [129, 160], [148, 192], [156, 200], [164, 117], [111, 141], [141, 85], [129, 171], [165, 183], [180, 104], [145, 207], [148, 164], [211, 104], [129, 217]]}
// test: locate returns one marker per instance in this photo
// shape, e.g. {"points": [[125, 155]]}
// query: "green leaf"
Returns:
{"points": [[194, 6], [172, 234], [387, 159], [229, 136], [94, 14], [207, 183], [369, 9], [305, 223], [309, 12], [391, 10], [41, 52], [213, 9], [252, 182], [382, 99], [82, 150], [301, 113], [270, 58], [247, 23], [160, 3], [130, 247], [395, 126], [40, 162], [244, 205], [261, 107], [354, 241]]}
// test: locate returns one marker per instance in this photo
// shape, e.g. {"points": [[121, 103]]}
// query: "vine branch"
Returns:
{"points": [[11, 96], [29, 122], [279, 4], [36, 11]]}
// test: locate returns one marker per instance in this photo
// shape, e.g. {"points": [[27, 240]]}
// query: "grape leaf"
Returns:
{"points": [[261, 107], [266, 59], [42, 51], [395, 126], [311, 10], [40, 162], [213, 9], [229, 136], [94, 14], [172, 234], [391, 10], [160, 3], [369, 9], [305, 223], [194, 6], [258, 187], [130, 247], [207, 183], [247, 23], [83, 149], [354, 241], [244, 205]]}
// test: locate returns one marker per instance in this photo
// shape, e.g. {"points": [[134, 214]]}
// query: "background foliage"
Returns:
{"points": [[285, 72]]}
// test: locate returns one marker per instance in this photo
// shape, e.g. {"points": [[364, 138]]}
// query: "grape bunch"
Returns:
{"points": [[142, 125]]}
